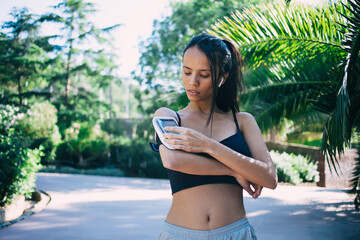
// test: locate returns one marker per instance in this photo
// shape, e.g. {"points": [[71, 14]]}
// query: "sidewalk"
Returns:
{"points": [[94, 207]]}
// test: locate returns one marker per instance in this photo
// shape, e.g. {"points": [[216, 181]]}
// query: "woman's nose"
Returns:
{"points": [[193, 80]]}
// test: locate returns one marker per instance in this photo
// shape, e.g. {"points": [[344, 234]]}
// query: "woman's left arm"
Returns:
{"points": [[258, 169]]}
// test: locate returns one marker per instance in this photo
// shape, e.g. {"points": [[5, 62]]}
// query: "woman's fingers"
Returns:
{"points": [[249, 190], [183, 131], [171, 135], [254, 190], [174, 139], [185, 139], [245, 184], [258, 190], [177, 129], [179, 145]]}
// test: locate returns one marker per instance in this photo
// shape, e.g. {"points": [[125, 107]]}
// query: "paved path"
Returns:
{"points": [[94, 207]]}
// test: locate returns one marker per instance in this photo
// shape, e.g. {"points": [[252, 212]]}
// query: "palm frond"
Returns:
{"points": [[310, 120], [337, 136], [303, 27], [273, 38], [295, 84]]}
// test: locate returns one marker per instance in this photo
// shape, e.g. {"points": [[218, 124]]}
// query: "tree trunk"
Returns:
{"points": [[20, 90], [110, 101], [273, 135], [68, 79], [81, 160]]}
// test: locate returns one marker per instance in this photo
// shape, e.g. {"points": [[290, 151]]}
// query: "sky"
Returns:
{"points": [[136, 17]]}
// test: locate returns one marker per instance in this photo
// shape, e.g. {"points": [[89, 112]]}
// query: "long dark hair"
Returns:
{"points": [[223, 58]]}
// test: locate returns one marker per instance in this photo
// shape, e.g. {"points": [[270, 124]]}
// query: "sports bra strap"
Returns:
{"points": [[178, 118], [236, 122]]}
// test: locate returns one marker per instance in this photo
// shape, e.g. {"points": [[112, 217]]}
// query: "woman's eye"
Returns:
{"points": [[204, 76], [187, 73]]}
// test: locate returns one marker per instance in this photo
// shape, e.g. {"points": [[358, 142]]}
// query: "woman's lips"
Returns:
{"points": [[193, 92]]}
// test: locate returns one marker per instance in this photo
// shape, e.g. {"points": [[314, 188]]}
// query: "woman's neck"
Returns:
{"points": [[204, 109]]}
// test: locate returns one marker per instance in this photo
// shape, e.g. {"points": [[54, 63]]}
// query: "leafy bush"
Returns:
{"points": [[18, 163], [85, 145], [117, 126], [9, 117], [136, 158], [294, 168], [84, 107], [133, 157], [39, 123]]}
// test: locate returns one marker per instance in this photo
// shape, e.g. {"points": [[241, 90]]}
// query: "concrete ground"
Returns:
{"points": [[94, 207]]}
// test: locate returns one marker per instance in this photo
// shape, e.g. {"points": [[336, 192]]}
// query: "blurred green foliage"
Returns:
{"points": [[293, 168], [18, 162], [138, 159], [39, 123], [84, 143]]}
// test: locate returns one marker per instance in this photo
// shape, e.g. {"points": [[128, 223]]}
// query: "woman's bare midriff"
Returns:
{"points": [[207, 207]]}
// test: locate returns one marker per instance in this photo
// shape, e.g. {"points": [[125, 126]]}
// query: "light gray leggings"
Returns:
{"points": [[240, 230]]}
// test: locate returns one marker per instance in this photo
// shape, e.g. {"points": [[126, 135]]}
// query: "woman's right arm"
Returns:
{"points": [[190, 163]]}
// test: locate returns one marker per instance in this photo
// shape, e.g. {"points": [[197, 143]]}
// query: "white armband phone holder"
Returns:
{"points": [[160, 123]]}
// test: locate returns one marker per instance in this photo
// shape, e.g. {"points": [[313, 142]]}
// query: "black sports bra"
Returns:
{"points": [[180, 181]]}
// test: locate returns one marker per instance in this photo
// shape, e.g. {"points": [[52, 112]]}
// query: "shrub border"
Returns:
{"points": [[313, 152]]}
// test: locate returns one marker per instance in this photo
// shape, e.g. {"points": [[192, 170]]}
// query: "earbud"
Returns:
{"points": [[222, 79]]}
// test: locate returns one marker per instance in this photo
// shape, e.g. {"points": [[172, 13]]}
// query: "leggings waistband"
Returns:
{"points": [[203, 234]]}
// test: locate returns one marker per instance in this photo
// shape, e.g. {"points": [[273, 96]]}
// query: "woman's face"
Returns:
{"points": [[196, 75]]}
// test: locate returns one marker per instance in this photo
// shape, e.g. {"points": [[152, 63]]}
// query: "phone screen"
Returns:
{"points": [[166, 123]]}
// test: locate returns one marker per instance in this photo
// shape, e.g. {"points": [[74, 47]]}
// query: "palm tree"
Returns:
{"points": [[302, 64], [346, 116]]}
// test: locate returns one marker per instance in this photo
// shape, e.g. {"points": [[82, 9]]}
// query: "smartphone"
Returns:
{"points": [[160, 123]]}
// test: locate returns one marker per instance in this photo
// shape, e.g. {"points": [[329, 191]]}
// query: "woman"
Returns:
{"points": [[218, 150]]}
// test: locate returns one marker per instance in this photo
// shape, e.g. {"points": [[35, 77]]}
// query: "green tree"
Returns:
{"points": [[84, 68], [345, 117], [78, 29], [302, 61], [161, 53], [23, 56]]}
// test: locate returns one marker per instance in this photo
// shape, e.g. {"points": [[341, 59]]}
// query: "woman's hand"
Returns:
{"points": [[247, 186], [186, 139]]}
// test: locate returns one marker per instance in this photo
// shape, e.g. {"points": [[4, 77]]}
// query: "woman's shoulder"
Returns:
{"points": [[165, 112], [245, 116], [245, 119]]}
